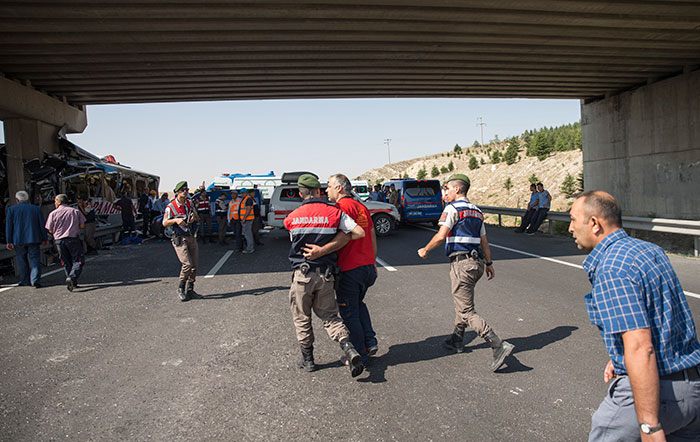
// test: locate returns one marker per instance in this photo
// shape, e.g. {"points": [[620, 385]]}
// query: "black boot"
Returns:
{"points": [[181, 293], [501, 350], [454, 341], [191, 294], [353, 357], [306, 361]]}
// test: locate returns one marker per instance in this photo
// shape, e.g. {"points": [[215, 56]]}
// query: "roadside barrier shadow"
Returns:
{"points": [[255, 292]]}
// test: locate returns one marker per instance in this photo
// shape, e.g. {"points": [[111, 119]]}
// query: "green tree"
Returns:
{"points": [[568, 186], [481, 160], [511, 155], [422, 173], [476, 144], [540, 146], [434, 171], [379, 181], [473, 163], [450, 166], [457, 149], [508, 184], [496, 157], [444, 169], [533, 179]]}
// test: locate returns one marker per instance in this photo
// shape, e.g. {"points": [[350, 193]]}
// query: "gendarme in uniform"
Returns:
{"points": [[462, 230], [317, 229], [180, 216]]}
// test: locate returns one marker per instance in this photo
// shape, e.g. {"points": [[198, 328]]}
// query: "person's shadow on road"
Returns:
{"points": [[255, 292], [431, 348]]}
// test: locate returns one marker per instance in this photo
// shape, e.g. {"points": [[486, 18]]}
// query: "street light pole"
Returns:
{"points": [[388, 150]]}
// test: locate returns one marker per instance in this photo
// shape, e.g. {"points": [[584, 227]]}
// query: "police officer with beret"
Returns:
{"points": [[180, 216], [462, 230], [317, 230]]}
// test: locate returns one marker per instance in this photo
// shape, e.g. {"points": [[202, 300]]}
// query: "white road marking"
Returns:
{"points": [[383, 263], [52, 272], [219, 264], [687, 293]]}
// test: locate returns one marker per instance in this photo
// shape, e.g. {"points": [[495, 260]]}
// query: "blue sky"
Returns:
{"points": [[197, 141]]}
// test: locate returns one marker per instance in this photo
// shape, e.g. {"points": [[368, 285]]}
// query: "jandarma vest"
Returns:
{"points": [[183, 210], [314, 222], [465, 236], [202, 203], [246, 213], [220, 207]]}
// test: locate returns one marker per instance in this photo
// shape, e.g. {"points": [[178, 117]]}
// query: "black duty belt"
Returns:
{"points": [[691, 373], [305, 269], [474, 254]]}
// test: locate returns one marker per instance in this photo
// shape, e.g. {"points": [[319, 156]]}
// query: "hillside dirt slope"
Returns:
{"points": [[487, 182]]}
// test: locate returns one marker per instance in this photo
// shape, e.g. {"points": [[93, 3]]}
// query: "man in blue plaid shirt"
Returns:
{"points": [[640, 308]]}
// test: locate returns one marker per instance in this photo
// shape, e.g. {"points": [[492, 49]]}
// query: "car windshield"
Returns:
{"points": [[422, 188], [292, 194]]}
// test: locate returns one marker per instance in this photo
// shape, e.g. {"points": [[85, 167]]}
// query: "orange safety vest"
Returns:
{"points": [[246, 213], [233, 208]]}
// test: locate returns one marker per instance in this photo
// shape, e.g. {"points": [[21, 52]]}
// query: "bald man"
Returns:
{"points": [[639, 307]]}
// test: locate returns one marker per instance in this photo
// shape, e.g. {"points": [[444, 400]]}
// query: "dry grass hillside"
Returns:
{"points": [[487, 182]]}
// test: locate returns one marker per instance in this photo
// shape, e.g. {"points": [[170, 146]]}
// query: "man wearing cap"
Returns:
{"points": [[234, 220], [317, 230], [462, 230], [180, 215], [203, 207], [246, 216]]}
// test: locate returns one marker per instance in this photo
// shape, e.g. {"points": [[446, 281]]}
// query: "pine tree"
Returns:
{"points": [[496, 157], [508, 184], [511, 155], [533, 179], [568, 186], [473, 163], [422, 173], [434, 172], [451, 166]]}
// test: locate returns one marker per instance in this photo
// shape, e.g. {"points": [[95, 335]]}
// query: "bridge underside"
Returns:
{"points": [[155, 51]]}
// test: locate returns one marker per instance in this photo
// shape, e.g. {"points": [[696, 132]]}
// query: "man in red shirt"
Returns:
{"points": [[358, 271]]}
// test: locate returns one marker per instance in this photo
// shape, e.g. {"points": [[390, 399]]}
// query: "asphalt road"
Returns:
{"points": [[120, 358]]}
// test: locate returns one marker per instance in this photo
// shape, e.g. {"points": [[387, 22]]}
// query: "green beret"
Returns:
{"points": [[460, 177], [179, 186], [308, 180]]}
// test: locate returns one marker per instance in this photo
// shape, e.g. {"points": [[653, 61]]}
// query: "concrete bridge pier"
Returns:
{"points": [[32, 120], [643, 146]]}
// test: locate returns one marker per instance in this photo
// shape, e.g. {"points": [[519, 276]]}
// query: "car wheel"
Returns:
{"points": [[383, 224]]}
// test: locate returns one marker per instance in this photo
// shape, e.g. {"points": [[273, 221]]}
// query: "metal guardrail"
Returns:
{"points": [[677, 226]]}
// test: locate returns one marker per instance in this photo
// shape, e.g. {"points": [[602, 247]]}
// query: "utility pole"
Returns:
{"points": [[482, 124], [388, 151]]}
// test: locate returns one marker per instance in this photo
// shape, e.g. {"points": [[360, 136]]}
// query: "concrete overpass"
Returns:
{"points": [[634, 65]]}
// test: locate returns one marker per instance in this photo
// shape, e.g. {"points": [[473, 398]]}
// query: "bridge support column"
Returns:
{"points": [[25, 140], [32, 120], [643, 146]]}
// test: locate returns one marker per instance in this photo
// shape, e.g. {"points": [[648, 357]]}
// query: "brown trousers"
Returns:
{"points": [[313, 292], [90, 236], [204, 219], [464, 273], [188, 254]]}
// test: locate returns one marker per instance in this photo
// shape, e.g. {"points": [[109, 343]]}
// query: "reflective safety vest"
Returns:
{"points": [[246, 213], [465, 236], [220, 206], [314, 222], [233, 208], [202, 203]]}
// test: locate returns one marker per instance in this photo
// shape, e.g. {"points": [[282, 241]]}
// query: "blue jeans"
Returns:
{"points": [[70, 250], [28, 257], [527, 219], [679, 412], [351, 291], [537, 219]]}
